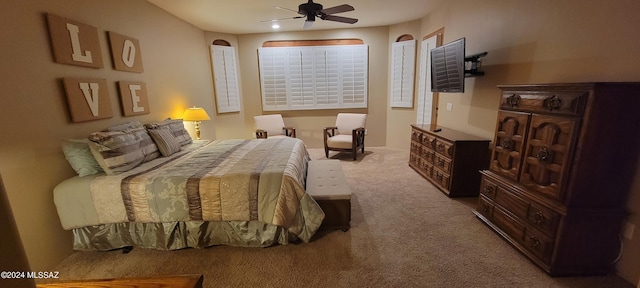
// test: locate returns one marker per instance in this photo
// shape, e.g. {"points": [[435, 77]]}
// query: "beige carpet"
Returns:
{"points": [[405, 233]]}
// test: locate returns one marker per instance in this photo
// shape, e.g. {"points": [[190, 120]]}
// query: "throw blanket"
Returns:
{"points": [[224, 180]]}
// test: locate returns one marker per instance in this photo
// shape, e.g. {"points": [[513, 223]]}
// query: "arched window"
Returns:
{"points": [[403, 66], [225, 76]]}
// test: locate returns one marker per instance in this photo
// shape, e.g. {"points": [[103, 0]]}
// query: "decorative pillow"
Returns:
{"points": [[77, 152], [177, 129], [116, 151], [167, 143], [149, 148]]}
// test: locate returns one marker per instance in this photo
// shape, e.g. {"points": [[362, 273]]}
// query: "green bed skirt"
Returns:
{"points": [[179, 235]]}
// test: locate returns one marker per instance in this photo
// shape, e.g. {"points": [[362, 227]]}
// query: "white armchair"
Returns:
{"points": [[347, 135], [272, 126]]}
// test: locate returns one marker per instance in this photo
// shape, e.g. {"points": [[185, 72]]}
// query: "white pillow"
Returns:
{"points": [[78, 153]]}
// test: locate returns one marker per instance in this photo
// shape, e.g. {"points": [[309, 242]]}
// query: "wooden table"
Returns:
{"points": [[178, 281]]}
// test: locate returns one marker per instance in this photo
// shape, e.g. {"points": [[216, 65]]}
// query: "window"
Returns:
{"points": [[402, 73], [225, 76], [313, 77], [426, 98]]}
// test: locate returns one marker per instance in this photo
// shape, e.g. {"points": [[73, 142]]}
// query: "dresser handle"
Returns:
{"points": [[552, 102], [506, 144], [534, 242], [543, 154], [488, 190], [513, 100], [485, 207], [539, 218], [440, 163]]}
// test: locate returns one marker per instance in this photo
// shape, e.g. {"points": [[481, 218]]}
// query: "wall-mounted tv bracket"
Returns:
{"points": [[473, 64]]}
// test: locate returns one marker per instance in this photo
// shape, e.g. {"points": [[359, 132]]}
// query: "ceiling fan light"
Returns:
{"points": [[307, 24]]}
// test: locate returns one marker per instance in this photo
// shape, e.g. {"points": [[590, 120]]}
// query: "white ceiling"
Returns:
{"points": [[248, 16]]}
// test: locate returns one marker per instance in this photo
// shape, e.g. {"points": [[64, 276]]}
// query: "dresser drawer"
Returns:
{"points": [[488, 188], [427, 154], [445, 148], [419, 165], [416, 147], [426, 168], [526, 210], [542, 218], [511, 202], [416, 135], [537, 243], [414, 159], [567, 103], [428, 140], [485, 207], [509, 225], [441, 178], [442, 163]]}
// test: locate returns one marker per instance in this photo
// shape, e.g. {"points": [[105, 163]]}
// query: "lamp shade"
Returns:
{"points": [[195, 114]]}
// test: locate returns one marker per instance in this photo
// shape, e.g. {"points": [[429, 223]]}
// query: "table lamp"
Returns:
{"points": [[195, 114]]}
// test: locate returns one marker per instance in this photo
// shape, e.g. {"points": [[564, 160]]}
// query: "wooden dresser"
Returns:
{"points": [[449, 159], [560, 172]]}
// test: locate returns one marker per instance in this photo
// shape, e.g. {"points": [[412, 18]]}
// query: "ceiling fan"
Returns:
{"points": [[312, 10]]}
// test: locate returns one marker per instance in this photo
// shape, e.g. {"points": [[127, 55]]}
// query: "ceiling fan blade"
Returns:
{"points": [[340, 19], [274, 20], [307, 24], [337, 9], [287, 9]]}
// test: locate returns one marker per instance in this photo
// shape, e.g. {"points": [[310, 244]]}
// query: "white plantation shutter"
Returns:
{"points": [[425, 96], [301, 80], [354, 76], [273, 79], [225, 75], [402, 73], [327, 77], [313, 77]]}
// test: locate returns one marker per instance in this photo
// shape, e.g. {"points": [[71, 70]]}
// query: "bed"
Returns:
{"points": [[240, 192]]}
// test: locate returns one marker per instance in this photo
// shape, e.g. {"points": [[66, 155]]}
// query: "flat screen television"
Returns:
{"points": [[447, 67]]}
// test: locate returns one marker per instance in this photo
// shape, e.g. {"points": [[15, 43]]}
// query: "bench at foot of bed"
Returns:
{"points": [[327, 184]]}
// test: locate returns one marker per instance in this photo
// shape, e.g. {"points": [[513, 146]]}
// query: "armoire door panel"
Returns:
{"points": [[548, 150], [509, 143]]}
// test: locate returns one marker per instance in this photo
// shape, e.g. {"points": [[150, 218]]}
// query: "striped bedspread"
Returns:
{"points": [[224, 180]]}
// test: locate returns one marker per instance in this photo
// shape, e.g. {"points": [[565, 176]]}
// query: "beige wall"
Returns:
{"points": [[309, 124], [535, 42], [33, 109], [528, 42]]}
